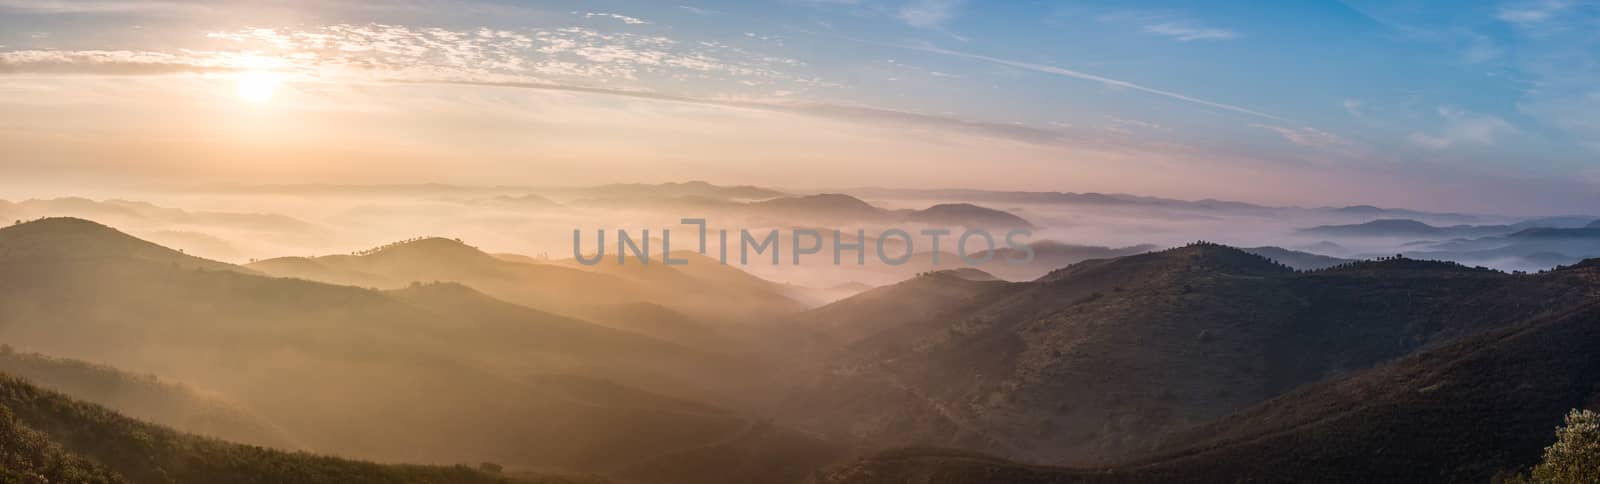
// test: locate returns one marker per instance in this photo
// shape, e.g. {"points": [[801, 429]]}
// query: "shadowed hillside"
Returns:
{"points": [[1465, 411], [1106, 358]]}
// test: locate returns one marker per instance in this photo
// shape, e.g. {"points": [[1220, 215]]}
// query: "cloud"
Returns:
{"points": [[1307, 137], [1186, 33], [1168, 24], [97, 6], [1047, 69], [1133, 123], [561, 60], [106, 62], [928, 14], [624, 18], [378, 52], [1355, 107], [699, 11], [1463, 128], [1531, 13]]}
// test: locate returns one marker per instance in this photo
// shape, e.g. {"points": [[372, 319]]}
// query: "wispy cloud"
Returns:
{"points": [[1186, 33], [377, 52], [1168, 24], [1530, 13], [98, 6], [699, 11], [1307, 137], [616, 16], [1463, 128], [1048, 69], [1355, 107], [928, 13]]}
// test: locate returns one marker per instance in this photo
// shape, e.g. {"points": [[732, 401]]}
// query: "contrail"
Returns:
{"points": [[1090, 77]]}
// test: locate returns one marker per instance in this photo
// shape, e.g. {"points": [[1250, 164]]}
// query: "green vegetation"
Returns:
{"points": [[1574, 458]]}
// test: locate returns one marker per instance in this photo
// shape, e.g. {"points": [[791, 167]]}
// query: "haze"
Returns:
{"points": [[1438, 106]]}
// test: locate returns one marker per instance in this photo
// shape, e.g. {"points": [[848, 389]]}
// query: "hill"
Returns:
{"points": [[968, 215], [145, 397], [1442, 415], [704, 290], [435, 373], [1191, 335], [1299, 260], [51, 438], [78, 239], [1049, 255]]}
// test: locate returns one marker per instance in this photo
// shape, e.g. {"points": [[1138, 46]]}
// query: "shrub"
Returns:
{"points": [[1574, 458]]}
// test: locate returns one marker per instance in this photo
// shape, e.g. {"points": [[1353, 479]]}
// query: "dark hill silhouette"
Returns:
{"points": [[1406, 228], [1049, 255], [1593, 225], [1190, 334], [1298, 260]]}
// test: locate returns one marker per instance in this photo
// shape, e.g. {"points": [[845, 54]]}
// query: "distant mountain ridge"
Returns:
{"points": [[831, 209], [1406, 228]]}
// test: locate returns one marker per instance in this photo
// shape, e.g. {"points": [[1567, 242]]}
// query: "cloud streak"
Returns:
{"points": [[1053, 70], [1186, 33], [928, 14]]}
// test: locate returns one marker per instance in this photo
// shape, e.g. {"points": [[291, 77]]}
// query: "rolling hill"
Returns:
{"points": [[1107, 358], [1465, 411], [51, 438], [432, 373], [704, 289], [146, 397]]}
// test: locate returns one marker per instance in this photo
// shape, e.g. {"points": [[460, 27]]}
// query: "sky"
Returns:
{"points": [[1446, 105]]}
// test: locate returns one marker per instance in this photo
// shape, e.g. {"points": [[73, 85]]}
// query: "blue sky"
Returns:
{"points": [[1478, 105]]}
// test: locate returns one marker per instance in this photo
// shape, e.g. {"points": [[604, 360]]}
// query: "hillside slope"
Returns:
{"points": [[1465, 411], [436, 373], [1107, 358], [45, 433]]}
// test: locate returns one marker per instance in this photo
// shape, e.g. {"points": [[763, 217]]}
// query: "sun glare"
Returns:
{"points": [[258, 86]]}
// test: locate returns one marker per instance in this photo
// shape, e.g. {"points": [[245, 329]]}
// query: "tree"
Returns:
{"points": [[1575, 457]]}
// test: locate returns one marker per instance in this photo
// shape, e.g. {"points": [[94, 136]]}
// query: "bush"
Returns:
{"points": [[1575, 457]]}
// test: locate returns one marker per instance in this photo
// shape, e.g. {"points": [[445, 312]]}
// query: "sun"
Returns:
{"points": [[258, 86]]}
